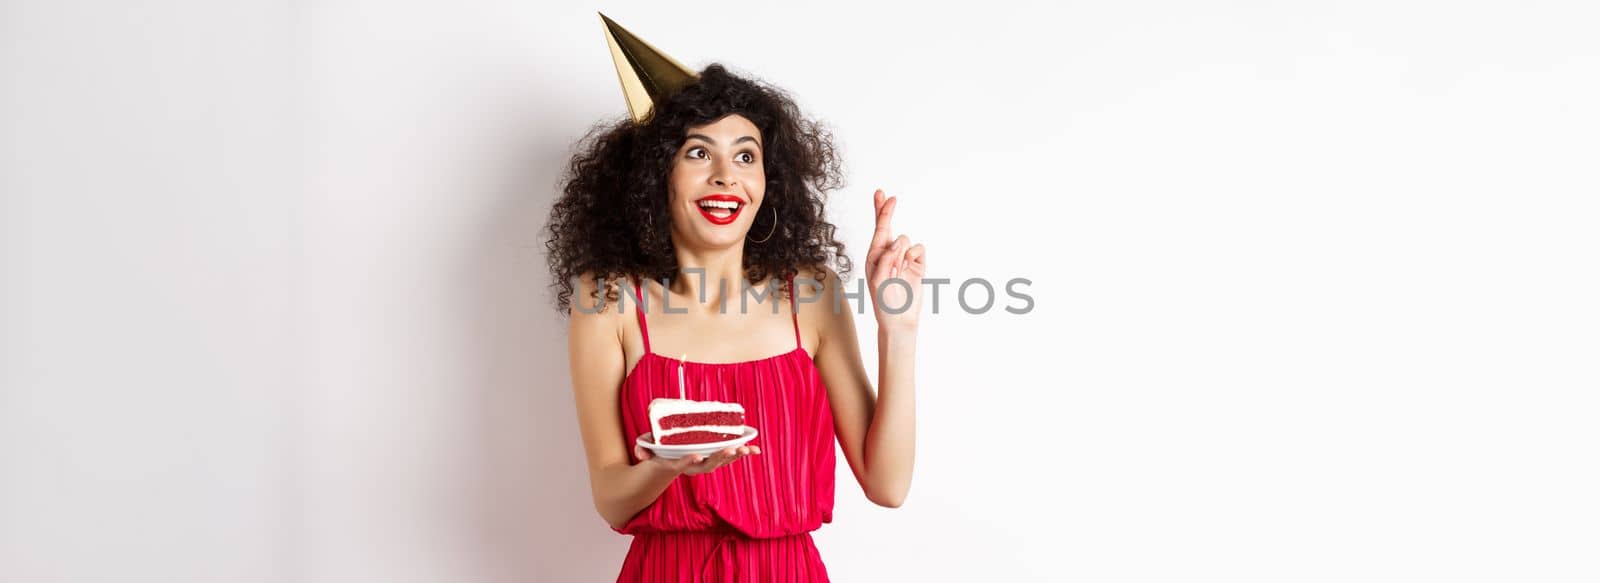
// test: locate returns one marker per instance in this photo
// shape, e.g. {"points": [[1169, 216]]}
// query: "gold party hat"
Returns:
{"points": [[646, 74]]}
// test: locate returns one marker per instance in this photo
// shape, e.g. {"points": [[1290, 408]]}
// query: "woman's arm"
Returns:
{"points": [[878, 433], [594, 349]]}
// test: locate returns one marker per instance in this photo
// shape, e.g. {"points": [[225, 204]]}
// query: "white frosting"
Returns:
{"points": [[735, 430], [667, 407], [664, 407]]}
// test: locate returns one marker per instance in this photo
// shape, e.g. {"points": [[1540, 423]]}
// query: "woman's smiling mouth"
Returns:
{"points": [[720, 209]]}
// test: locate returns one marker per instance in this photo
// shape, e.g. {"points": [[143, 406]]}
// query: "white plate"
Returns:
{"points": [[673, 452]]}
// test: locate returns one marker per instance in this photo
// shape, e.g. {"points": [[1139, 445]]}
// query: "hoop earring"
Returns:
{"points": [[769, 231]]}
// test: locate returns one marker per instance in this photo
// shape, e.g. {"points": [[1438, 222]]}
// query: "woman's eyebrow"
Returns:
{"points": [[708, 139]]}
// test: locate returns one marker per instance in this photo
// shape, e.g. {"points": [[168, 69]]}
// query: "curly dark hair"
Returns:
{"points": [[612, 219]]}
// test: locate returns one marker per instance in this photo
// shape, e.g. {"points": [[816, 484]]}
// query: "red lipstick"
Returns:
{"points": [[724, 199]]}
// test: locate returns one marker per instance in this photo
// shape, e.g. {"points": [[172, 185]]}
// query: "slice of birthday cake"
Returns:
{"points": [[681, 421]]}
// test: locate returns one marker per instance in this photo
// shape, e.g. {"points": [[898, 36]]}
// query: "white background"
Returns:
{"points": [[1315, 285]]}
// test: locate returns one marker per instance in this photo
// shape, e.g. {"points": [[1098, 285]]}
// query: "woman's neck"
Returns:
{"points": [[713, 273]]}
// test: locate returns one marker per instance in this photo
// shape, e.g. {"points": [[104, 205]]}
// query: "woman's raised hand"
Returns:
{"points": [[890, 257], [694, 464]]}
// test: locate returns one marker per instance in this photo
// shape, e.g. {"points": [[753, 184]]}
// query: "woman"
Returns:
{"points": [[633, 220]]}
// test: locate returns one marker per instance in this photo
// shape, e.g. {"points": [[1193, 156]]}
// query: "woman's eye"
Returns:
{"points": [[747, 157], [697, 152]]}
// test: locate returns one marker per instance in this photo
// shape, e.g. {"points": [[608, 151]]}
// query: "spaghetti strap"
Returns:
{"points": [[644, 331], [794, 312]]}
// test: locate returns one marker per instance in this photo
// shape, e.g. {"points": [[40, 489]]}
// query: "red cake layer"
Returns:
{"points": [[711, 418], [689, 437]]}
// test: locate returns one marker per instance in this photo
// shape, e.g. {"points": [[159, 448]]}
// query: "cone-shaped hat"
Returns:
{"points": [[646, 74]]}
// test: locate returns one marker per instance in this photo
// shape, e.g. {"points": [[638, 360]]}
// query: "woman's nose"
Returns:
{"points": [[722, 175]]}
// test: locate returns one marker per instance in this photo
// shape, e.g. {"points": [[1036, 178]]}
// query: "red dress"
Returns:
{"points": [[749, 520]]}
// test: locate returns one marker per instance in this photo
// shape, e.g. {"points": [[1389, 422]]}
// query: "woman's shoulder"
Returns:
{"points": [[812, 282], [594, 301], [820, 292]]}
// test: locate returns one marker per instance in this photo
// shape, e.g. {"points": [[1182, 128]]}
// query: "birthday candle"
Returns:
{"points": [[680, 375]]}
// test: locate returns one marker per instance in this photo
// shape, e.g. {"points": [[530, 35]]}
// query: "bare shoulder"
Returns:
{"points": [[824, 309], [592, 317], [813, 285]]}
